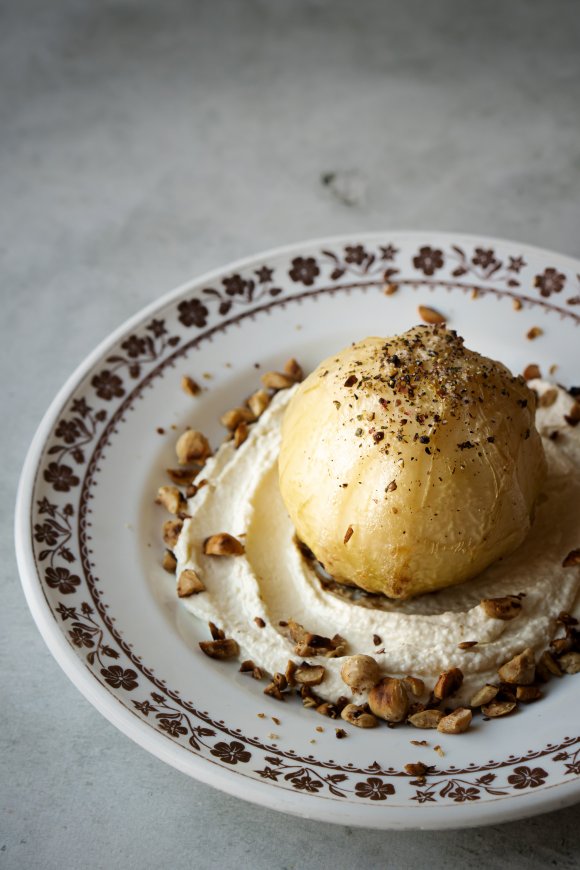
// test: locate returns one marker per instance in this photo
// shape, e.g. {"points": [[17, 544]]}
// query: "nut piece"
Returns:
{"points": [[501, 608], [456, 722], [220, 649], [416, 769], [192, 446], [486, 694], [548, 398], [293, 369], [277, 381], [528, 693], [360, 672], [189, 386], [547, 667], [531, 372], [169, 562], [534, 332], [309, 675], [498, 708], [171, 530], [171, 499], [414, 686], [240, 434], [430, 315], [388, 700], [358, 716], [448, 683], [521, 669], [426, 718], [232, 419], [223, 544], [182, 476], [570, 662], [573, 558], [258, 402], [189, 584]]}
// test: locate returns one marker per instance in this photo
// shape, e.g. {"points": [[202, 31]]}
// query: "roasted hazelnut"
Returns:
{"points": [[358, 716], [388, 700], [360, 672], [456, 722]]}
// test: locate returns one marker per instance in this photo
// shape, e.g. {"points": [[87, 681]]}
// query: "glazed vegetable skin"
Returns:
{"points": [[410, 463]]}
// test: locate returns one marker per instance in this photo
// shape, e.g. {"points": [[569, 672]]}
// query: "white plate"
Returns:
{"points": [[87, 531]]}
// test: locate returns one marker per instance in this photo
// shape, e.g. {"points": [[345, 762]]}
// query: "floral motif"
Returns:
{"points": [[374, 788], [144, 707], [157, 328], [107, 385], [81, 638], [306, 783], [355, 254], [264, 274], [516, 264], [134, 346], [388, 252], [304, 270], [484, 258], [460, 794], [62, 579], [428, 260], [550, 281], [192, 312], [66, 612], [236, 286], [61, 477], [231, 753], [68, 430], [172, 727], [526, 777], [118, 678]]}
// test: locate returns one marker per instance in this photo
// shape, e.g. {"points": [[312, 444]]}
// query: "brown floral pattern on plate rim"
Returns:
{"points": [[371, 269]]}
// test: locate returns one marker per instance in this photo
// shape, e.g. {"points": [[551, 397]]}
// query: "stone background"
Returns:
{"points": [[142, 143]]}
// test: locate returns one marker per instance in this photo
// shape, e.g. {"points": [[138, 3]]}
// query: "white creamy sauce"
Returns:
{"points": [[419, 637]]}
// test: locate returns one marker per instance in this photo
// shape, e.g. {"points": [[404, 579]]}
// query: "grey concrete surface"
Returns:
{"points": [[144, 142]]}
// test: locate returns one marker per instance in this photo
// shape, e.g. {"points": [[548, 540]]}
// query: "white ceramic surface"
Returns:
{"points": [[88, 531]]}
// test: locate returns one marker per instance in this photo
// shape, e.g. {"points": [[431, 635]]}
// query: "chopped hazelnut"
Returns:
{"points": [[504, 608], [169, 562], [189, 386], [309, 675], [220, 649], [573, 558], [223, 544], [527, 693], [414, 686], [277, 381], [430, 315], [496, 709], [520, 670], [293, 370], [189, 584], [232, 419], [182, 476], [240, 434], [486, 694], [192, 446], [258, 402], [358, 716], [171, 530], [426, 718], [171, 499], [456, 722], [570, 662], [532, 372], [448, 683]]}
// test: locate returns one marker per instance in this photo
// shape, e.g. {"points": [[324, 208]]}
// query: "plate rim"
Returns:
{"points": [[133, 727]]}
